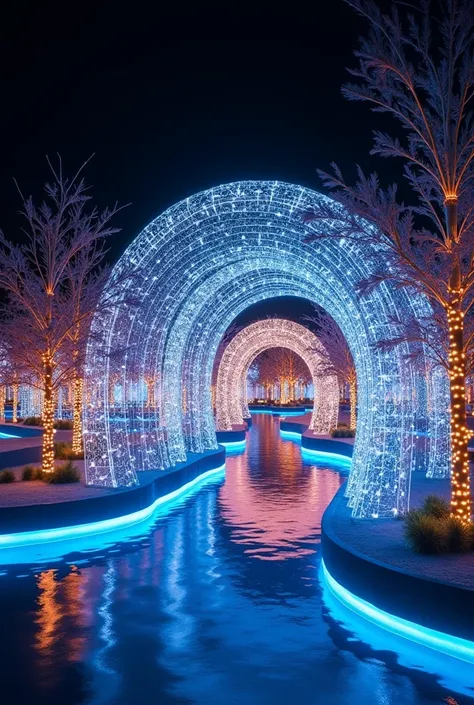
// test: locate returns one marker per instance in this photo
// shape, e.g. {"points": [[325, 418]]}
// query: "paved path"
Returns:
{"points": [[383, 540]]}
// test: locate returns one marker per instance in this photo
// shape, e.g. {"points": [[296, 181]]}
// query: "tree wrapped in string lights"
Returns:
{"points": [[203, 262], [279, 337], [44, 318], [419, 68]]}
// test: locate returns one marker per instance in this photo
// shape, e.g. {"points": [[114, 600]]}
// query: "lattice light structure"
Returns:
{"points": [[231, 396], [197, 266]]}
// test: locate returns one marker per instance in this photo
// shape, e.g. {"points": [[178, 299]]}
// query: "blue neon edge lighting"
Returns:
{"points": [[233, 444], [439, 641], [29, 538], [325, 454]]}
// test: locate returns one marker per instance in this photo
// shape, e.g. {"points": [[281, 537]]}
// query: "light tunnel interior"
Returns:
{"points": [[231, 388], [196, 268]]}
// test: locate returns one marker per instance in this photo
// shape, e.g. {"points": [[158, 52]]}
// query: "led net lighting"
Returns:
{"points": [[197, 266], [231, 392]]}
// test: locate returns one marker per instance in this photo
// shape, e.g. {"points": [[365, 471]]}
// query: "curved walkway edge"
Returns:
{"points": [[117, 503], [433, 604]]}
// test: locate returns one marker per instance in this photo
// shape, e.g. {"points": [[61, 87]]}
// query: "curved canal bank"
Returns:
{"points": [[218, 599]]}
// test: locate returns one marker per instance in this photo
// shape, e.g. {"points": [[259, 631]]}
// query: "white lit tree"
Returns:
{"points": [[43, 321], [417, 65], [339, 357]]}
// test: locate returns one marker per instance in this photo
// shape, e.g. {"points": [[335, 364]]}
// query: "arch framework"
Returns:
{"points": [[231, 392], [195, 268]]}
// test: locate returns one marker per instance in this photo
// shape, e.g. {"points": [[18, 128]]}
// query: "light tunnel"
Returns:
{"points": [[195, 268], [231, 388]]}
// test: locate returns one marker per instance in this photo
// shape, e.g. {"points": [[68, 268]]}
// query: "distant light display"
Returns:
{"points": [[197, 266], [231, 394]]}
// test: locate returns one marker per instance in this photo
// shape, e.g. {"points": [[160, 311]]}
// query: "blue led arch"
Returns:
{"points": [[200, 264]]}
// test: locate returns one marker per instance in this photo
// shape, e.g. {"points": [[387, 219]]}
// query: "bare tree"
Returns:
{"points": [[339, 358], [417, 64], [42, 323], [284, 367]]}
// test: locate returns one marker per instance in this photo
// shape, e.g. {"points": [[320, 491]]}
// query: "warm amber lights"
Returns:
{"points": [[77, 416], [460, 434]]}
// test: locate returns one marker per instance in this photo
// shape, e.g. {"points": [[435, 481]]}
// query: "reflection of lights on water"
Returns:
{"points": [[50, 544], [273, 519], [416, 646]]}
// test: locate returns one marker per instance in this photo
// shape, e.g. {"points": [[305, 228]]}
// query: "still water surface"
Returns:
{"points": [[219, 603]]}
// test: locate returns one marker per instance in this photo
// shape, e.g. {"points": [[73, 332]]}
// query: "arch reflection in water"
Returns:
{"points": [[193, 611]]}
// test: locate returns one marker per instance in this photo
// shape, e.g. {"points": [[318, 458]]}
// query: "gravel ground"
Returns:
{"points": [[17, 494]]}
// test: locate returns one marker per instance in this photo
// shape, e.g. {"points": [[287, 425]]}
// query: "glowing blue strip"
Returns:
{"points": [[439, 641], [260, 411], [233, 445], [290, 434], [321, 454], [29, 538]]}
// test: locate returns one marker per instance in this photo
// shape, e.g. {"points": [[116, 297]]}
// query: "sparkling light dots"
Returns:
{"points": [[198, 266], [231, 393]]}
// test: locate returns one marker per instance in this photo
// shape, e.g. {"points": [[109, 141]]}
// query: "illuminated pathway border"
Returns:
{"points": [[231, 389], [447, 644], [394, 594], [195, 269], [89, 522]]}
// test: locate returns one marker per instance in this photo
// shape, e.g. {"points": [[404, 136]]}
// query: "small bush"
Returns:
{"points": [[343, 433], [38, 474], [424, 533], [63, 424], [7, 476], [64, 474], [33, 421], [63, 451], [28, 473], [435, 506], [458, 536]]}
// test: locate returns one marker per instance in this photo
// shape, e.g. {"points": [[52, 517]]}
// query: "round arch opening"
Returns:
{"points": [[195, 268]]}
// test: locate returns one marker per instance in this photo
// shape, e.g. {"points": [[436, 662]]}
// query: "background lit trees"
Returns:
{"points": [[51, 285], [418, 66], [282, 367], [339, 358]]}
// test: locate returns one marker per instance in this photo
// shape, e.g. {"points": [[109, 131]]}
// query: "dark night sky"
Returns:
{"points": [[172, 104]]}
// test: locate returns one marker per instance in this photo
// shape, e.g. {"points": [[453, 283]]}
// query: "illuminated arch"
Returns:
{"points": [[196, 267], [231, 393]]}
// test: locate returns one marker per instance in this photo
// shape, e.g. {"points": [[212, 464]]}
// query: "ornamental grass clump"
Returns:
{"points": [[7, 476], [28, 473], [436, 507], [64, 474], [424, 533], [458, 535]]}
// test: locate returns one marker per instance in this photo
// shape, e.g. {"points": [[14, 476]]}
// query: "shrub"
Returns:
{"points": [[63, 424], [38, 474], [28, 473], [61, 450], [458, 536], [435, 506], [33, 421], [7, 476], [65, 473], [343, 433], [424, 533]]}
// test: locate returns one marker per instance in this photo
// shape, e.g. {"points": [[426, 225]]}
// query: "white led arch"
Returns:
{"points": [[231, 392], [197, 266]]}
